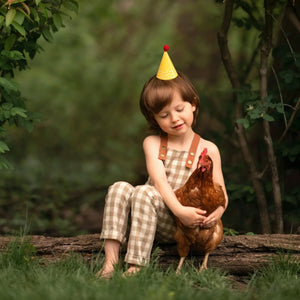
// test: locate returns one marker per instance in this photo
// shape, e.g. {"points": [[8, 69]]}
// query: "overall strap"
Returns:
{"points": [[163, 147], [192, 151]]}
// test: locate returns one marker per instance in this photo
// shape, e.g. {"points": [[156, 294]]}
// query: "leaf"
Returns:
{"points": [[10, 16], [47, 35], [8, 85], [57, 21], [13, 55], [19, 28], [44, 10], [7, 106], [10, 42], [3, 147], [280, 109], [18, 111], [71, 5], [37, 2], [19, 18], [4, 164], [245, 122], [2, 19], [268, 118]]}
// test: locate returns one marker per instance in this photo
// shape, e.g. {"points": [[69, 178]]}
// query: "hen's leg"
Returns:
{"points": [[204, 263], [183, 247], [180, 264]]}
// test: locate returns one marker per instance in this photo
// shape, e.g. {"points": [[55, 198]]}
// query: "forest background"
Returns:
{"points": [[85, 86]]}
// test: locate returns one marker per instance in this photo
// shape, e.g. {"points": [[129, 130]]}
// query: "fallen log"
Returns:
{"points": [[237, 255]]}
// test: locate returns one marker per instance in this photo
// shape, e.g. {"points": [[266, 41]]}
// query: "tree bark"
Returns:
{"points": [[240, 131], [265, 52], [237, 255]]}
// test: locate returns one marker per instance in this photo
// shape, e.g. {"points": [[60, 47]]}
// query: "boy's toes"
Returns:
{"points": [[131, 271]]}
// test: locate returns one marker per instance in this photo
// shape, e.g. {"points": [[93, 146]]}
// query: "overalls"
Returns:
{"points": [[150, 217]]}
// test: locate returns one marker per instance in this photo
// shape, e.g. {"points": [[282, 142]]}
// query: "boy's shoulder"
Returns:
{"points": [[151, 141], [211, 147]]}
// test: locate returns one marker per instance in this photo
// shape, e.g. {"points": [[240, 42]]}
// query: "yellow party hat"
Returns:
{"points": [[166, 70]]}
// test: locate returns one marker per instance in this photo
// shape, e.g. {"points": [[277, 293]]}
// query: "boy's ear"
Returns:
{"points": [[193, 107]]}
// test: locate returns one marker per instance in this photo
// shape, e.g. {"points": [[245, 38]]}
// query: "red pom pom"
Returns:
{"points": [[166, 47]]}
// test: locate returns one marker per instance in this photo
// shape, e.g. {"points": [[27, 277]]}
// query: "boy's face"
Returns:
{"points": [[176, 117]]}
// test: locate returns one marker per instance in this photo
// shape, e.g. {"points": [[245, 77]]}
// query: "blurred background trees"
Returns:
{"points": [[85, 86]]}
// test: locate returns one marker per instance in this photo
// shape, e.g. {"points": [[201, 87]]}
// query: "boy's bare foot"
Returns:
{"points": [[106, 272], [131, 271]]}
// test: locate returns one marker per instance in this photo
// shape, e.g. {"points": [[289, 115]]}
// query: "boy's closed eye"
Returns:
{"points": [[163, 115]]}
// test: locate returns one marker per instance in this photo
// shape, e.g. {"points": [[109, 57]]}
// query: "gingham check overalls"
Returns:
{"points": [[150, 217]]}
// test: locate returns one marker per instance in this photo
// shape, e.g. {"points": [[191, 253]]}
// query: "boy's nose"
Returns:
{"points": [[174, 117]]}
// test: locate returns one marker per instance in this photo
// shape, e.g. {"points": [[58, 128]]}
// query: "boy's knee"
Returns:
{"points": [[120, 188], [144, 195]]}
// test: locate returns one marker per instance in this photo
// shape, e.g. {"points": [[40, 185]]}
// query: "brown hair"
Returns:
{"points": [[157, 93]]}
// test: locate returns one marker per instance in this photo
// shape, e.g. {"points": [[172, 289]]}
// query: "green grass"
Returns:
{"points": [[24, 276]]}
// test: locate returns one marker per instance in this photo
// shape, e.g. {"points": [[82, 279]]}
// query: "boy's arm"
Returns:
{"points": [[219, 179], [188, 215]]}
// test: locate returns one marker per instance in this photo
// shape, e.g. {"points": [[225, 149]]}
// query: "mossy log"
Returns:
{"points": [[237, 255]]}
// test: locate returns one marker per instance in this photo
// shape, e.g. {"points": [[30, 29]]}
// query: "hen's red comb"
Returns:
{"points": [[204, 152], [202, 155]]}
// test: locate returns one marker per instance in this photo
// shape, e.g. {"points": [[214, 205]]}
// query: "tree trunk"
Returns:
{"points": [[237, 255], [265, 52], [247, 154]]}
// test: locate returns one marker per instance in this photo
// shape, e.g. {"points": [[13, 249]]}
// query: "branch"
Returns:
{"points": [[223, 45], [289, 124], [284, 34], [280, 94], [295, 109]]}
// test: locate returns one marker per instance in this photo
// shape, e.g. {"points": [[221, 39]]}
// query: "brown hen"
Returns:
{"points": [[200, 191]]}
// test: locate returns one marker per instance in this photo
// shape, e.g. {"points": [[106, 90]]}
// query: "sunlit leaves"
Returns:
{"points": [[10, 16], [22, 23]]}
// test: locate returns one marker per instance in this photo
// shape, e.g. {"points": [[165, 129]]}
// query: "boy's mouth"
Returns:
{"points": [[178, 126]]}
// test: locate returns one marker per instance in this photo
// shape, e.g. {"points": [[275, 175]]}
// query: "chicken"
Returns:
{"points": [[200, 191]]}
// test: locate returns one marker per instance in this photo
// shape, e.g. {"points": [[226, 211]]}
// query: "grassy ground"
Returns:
{"points": [[24, 276]]}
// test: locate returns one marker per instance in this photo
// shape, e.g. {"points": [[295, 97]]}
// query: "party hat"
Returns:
{"points": [[166, 70]]}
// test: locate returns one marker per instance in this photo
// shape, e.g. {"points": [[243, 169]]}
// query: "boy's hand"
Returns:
{"points": [[213, 218], [191, 216]]}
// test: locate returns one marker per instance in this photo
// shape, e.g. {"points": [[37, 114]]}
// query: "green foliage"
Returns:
{"points": [[256, 109], [72, 277], [230, 231], [241, 191], [18, 254], [21, 26], [278, 280]]}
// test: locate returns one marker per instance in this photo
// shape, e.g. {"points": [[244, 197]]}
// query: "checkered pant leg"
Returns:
{"points": [[116, 211], [147, 211]]}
